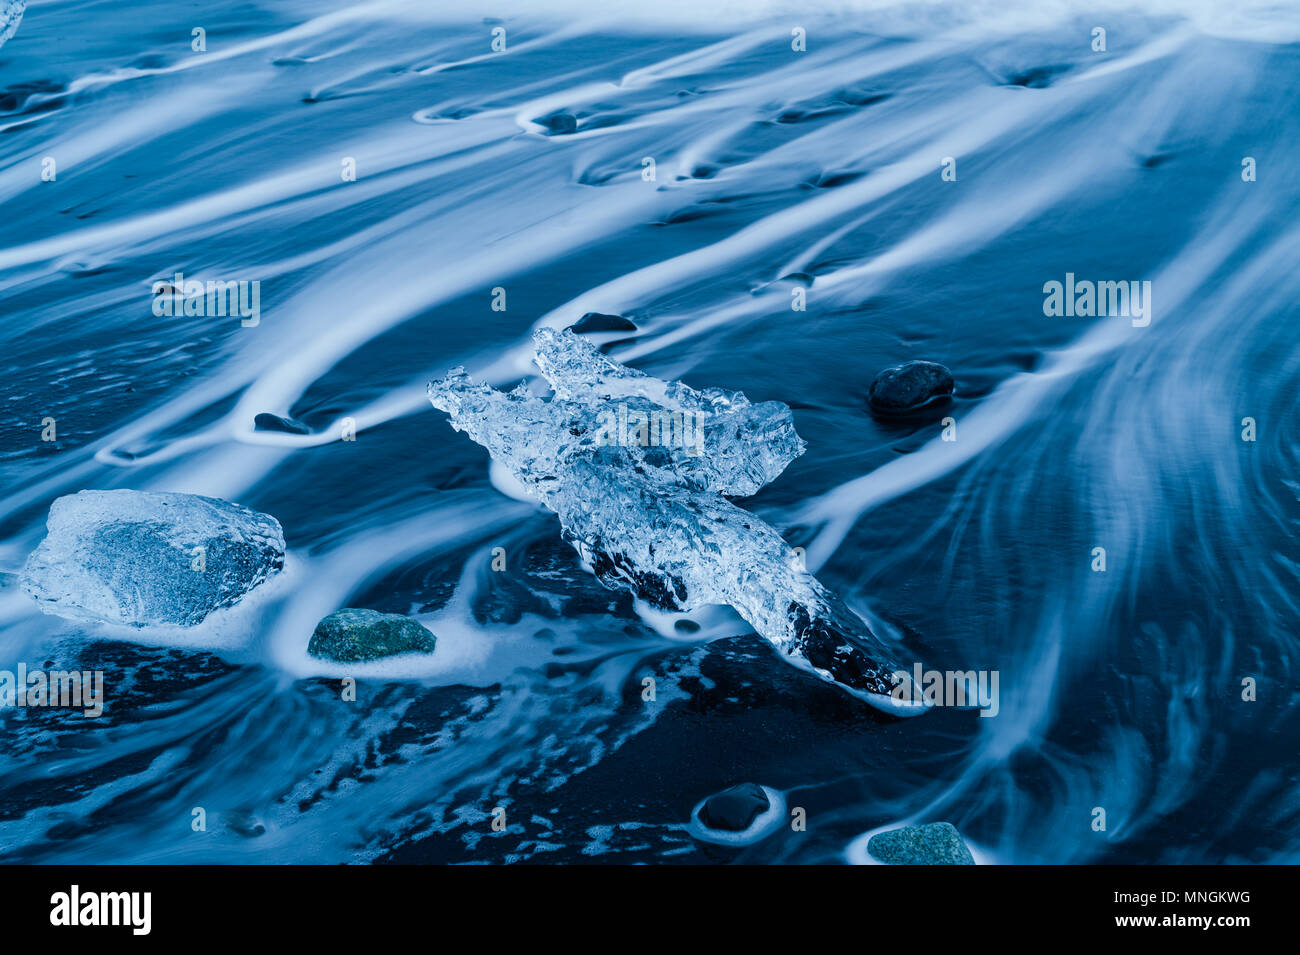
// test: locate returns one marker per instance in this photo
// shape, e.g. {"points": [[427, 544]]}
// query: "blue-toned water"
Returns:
{"points": [[919, 172]]}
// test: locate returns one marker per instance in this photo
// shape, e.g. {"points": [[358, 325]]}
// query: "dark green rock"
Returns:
{"points": [[908, 386], [735, 809], [351, 635], [938, 843]]}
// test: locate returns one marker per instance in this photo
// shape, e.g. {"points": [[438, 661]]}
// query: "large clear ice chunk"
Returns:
{"points": [[143, 557], [654, 518]]}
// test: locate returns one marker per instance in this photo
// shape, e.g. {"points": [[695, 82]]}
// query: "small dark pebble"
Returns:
{"points": [[559, 124], [907, 387], [601, 322], [735, 809], [1036, 78], [833, 179], [273, 422]]}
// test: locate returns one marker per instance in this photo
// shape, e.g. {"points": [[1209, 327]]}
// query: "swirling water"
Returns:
{"points": [[126, 156]]}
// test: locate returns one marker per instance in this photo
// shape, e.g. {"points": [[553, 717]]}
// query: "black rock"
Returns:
{"points": [[858, 96], [245, 823], [908, 386], [829, 180], [600, 322], [273, 422], [32, 97], [1156, 159], [559, 124], [149, 61], [1038, 77], [938, 843], [735, 809]]}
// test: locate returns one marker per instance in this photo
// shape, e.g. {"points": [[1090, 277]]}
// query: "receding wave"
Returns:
{"points": [[776, 202]]}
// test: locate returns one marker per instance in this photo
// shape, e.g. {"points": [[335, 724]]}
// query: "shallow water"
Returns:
{"points": [[774, 170]]}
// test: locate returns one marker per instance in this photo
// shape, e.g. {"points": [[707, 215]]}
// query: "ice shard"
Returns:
{"points": [[737, 447], [654, 518], [145, 557], [11, 14]]}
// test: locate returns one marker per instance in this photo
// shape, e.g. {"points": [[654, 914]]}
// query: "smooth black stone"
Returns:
{"points": [[1156, 159], [735, 809], [1038, 77], [273, 422], [600, 322], [558, 124], [909, 386], [32, 97]]}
